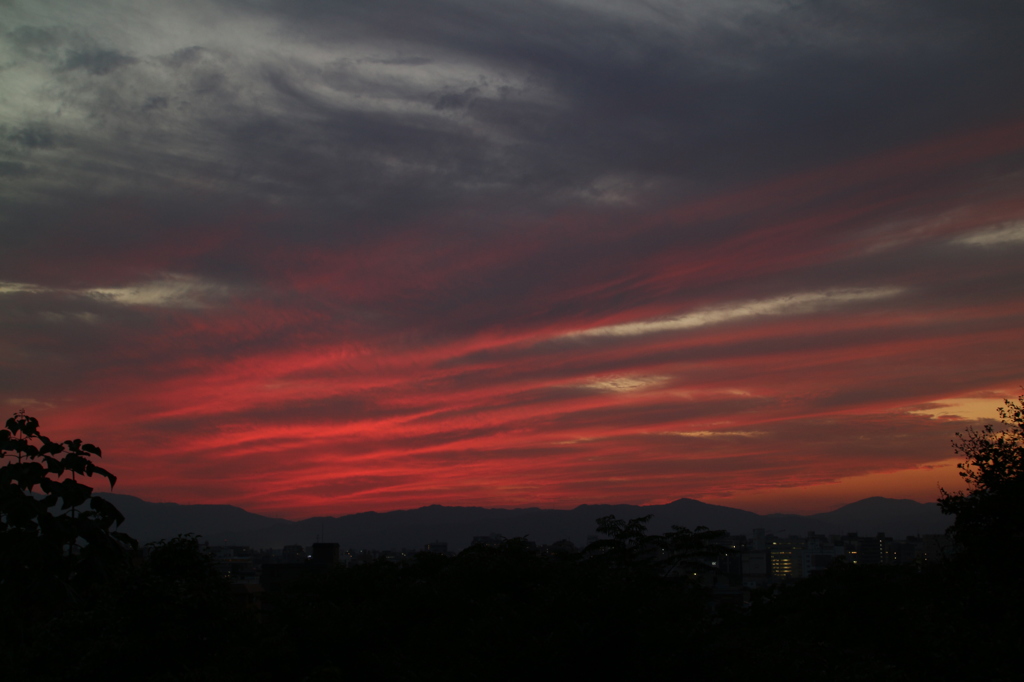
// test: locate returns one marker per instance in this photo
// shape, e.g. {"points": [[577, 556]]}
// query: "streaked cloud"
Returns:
{"points": [[1004, 233], [715, 434], [174, 291], [794, 304], [625, 384], [21, 288], [170, 291], [964, 408]]}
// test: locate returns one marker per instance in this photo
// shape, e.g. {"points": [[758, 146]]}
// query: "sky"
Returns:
{"points": [[316, 258]]}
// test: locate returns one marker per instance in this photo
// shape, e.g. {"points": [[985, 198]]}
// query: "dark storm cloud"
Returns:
{"points": [[34, 40], [722, 94], [97, 62], [551, 100], [11, 168], [33, 137]]}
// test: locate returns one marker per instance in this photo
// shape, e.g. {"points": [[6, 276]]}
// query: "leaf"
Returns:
{"points": [[107, 510], [75, 462], [53, 465], [51, 448], [73, 493], [126, 539]]}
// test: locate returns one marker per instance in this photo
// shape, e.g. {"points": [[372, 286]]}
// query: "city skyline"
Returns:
{"points": [[328, 258]]}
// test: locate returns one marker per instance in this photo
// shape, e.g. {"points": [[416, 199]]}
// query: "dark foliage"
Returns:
{"points": [[57, 541], [170, 617], [990, 514], [678, 553], [877, 623], [77, 600], [630, 606], [505, 612]]}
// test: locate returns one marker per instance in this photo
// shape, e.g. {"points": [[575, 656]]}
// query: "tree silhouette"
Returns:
{"points": [[681, 551], [990, 514], [56, 539]]}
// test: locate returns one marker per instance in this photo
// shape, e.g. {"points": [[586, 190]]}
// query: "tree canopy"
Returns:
{"points": [[56, 538], [990, 513]]}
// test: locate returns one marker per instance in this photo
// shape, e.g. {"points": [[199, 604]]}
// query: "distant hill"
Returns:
{"points": [[149, 521], [225, 524]]}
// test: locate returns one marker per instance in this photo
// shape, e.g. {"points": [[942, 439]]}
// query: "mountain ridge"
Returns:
{"points": [[412, 528]]}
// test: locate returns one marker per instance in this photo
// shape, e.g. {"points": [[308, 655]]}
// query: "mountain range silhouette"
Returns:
{"points": [[222, 524]]}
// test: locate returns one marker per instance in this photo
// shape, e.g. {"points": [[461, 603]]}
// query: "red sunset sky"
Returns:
{"points": [[321, 258]]}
